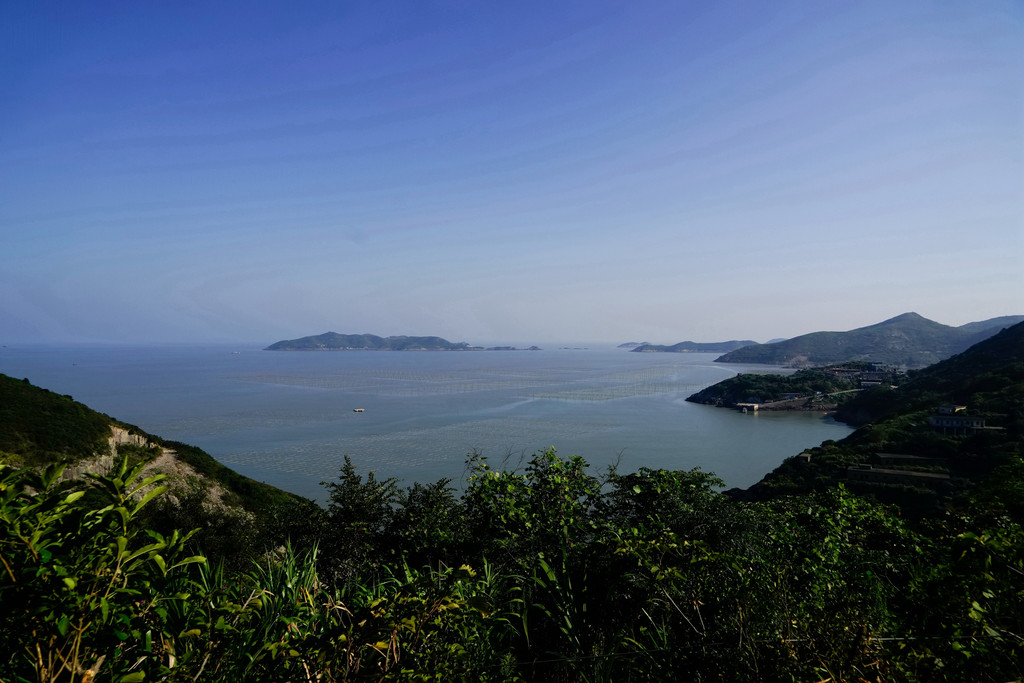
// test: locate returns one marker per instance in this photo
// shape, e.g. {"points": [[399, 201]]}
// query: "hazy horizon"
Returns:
{"points": [[553, 344], [525, 173]]}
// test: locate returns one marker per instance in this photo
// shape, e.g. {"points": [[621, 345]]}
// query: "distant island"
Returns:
{"points": [[695, 347], [332, 341], [909, 341]]}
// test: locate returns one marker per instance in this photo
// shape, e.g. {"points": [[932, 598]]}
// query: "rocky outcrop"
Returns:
{"points": [[182, 479], [103, 463]]}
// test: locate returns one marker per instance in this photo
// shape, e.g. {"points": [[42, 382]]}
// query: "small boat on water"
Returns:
{"points": [[359, 410]]}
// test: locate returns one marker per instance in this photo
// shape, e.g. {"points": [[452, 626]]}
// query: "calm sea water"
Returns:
{"points": [[287, 418]]}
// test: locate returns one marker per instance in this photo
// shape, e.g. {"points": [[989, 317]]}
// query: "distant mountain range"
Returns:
{"points": [[908, 340], [695, 347], [332, 341]]}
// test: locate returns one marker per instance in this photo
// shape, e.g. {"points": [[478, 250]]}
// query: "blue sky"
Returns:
{"points": [[507, 172]]}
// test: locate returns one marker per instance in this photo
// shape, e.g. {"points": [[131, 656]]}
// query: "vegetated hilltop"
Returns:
{"points": [[696, 347], [39, 427], [332, 341], [908, 340], [955, 426]]}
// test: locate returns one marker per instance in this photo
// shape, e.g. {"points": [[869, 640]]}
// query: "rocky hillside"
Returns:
{"points": [[39, 428]]}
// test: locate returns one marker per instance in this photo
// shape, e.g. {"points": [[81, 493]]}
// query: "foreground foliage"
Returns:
{"points": [[550, 573]]}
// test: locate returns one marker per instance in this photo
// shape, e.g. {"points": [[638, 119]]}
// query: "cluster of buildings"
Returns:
{"points": [[869, 375], [953, 421]]}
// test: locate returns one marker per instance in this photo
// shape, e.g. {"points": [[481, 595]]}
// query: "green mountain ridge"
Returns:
{"points": [[986, 367], [908, 340]]}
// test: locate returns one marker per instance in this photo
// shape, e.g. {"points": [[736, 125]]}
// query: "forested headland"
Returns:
{"points": [[548, 572], [822, 388]]}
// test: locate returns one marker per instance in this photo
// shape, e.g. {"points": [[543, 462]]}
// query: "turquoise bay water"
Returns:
{"points": [[287, 418]]}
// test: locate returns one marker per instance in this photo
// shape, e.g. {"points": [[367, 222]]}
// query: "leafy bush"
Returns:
{"points": [[652, 575], [84, 589]]}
